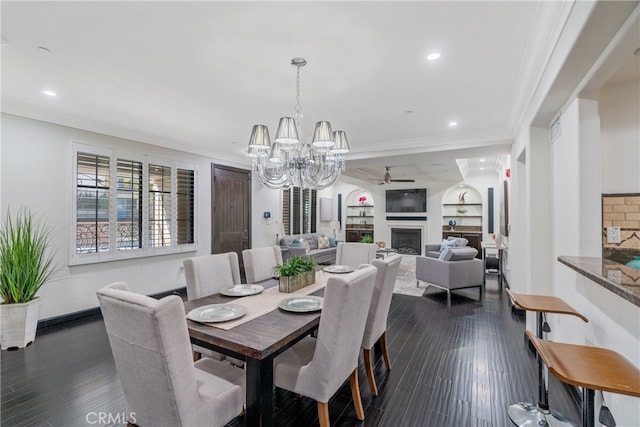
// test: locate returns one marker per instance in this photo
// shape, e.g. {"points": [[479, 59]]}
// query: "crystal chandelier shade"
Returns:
{"points": [[288, 161]]}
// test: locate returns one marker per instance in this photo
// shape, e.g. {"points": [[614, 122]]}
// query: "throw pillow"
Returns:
{"points": [[447, 244], [323, 242], [461, 242], [296, 244], [305, 244], [332, 241]]}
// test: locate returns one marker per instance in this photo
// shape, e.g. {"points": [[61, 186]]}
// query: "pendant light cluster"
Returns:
{"points": [[289, 162]]}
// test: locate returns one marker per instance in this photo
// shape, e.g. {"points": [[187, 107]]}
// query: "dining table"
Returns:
{"points": [[257, 342]]}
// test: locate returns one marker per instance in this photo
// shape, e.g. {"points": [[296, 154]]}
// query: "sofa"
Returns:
{"points": [[456, 268], [294, 247]]}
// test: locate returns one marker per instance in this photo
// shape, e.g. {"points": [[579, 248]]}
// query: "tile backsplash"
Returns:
{"points": [[621, 210]]}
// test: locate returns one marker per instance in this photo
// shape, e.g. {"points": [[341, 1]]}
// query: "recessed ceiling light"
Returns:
{"points": [[453, 123], [482, 160], [433, 56], [49, 92], [481, 169]]}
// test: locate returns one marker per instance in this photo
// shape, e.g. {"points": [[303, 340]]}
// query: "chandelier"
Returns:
{"points": [[289, 162]]}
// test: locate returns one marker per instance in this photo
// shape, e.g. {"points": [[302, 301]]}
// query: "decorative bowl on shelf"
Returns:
{"points": [[381, 245], [461, 211]]}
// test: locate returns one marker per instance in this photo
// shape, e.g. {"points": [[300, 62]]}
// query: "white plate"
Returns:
{"points": [[217, 313], [241, 290], [302, 304], [338, 269]]}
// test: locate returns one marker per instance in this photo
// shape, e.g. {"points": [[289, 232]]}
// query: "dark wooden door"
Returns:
{"points": [[230, 210]]}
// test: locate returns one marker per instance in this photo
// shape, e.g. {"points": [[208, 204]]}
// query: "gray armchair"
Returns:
{"points": [[459, 269]]}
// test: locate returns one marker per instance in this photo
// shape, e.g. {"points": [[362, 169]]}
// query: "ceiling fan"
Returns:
{"points": [[387, 178]]}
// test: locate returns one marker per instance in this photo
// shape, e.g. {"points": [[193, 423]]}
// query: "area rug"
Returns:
{"points": [[406, 279]]}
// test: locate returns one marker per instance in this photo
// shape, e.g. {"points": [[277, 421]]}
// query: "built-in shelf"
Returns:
{"points": [[463, 216], [355, 231], [462, 204]]}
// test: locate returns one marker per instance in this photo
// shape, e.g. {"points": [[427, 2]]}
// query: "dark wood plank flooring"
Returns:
{"points": [[457, 366]]}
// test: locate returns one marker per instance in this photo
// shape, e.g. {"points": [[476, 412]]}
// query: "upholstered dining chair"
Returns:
{"points": [[376, 326], [206, 275], [161, 384], [317, 368], [354, 254], [259, 262]]}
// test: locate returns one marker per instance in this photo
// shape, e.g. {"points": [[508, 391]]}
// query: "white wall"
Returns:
{"points": [[613, 322], [619, 110], [36, 173]]}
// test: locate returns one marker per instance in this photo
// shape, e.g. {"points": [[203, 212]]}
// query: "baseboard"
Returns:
{"points": [[58, 321]]}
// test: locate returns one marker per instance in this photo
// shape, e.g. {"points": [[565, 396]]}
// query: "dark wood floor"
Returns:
{"points": [[458, 366]]}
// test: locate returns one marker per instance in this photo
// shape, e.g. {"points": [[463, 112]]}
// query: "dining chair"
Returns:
{"points": [[207, 275], [259, 262], [376, 326], [317, 368], [354, 254], [162, 385]]}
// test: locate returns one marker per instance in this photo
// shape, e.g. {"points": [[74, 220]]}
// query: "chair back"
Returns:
{"points": [[259, 262], [381, 300], [344, 313], [151, 348], [207, 274], [355, 254]]}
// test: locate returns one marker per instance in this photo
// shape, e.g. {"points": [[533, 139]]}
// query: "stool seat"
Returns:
{"points": [[590, 367], [524, 414], [543, 304]]}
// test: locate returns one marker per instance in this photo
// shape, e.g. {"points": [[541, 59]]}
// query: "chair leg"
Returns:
{"points": [[417, 283], [385, 351], [323, 414], [448, 298], [368, 367], [355, 394]]}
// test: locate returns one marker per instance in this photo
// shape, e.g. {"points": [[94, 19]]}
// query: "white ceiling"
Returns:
{"points": [[197, 75]]}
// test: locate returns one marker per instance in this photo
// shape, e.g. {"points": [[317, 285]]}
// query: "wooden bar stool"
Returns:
{"points": [[591, 368], [529, 414]]}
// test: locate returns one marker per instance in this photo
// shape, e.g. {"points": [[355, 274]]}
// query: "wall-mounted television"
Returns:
{"points": [[410, 200]]}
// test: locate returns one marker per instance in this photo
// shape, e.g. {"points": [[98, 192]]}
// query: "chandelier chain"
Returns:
{"points": [[298, 106]]}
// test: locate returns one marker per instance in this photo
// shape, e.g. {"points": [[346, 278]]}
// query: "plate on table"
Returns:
{"points": [[339, 269], [241, 290], [302, 304], [217, 313]]}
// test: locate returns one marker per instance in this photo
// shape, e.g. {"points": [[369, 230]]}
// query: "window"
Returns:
{"points": [[149, 211], [299, 210]]}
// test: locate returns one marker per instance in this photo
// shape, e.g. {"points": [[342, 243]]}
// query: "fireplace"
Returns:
{"points": [[407, 241]]}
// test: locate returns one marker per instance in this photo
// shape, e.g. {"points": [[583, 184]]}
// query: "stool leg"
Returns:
{"points": [[588, 407], [528, 414]]}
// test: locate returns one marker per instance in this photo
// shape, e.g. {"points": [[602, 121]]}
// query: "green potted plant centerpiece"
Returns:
{"points": [[296, 273], [25, 265]]}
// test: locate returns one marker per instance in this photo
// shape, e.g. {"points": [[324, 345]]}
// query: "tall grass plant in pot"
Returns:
{"points": [[26, 264]]}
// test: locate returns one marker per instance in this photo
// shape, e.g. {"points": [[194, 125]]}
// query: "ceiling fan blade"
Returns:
{"points": [[403, 180]]}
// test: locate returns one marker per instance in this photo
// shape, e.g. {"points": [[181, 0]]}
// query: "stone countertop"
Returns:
{"points": [[618, 278]]}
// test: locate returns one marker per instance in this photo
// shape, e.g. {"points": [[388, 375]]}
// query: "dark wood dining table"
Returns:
{"points": [[256, 342]]}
